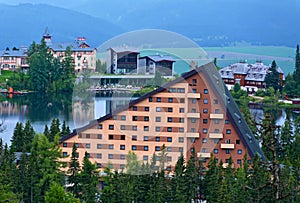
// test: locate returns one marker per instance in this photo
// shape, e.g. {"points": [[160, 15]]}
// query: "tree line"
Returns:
{"points": [[32, 171], [46, 73]]}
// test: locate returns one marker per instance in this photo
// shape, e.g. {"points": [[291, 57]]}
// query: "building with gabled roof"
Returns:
{"points": [[193, 113], [14, 59], [84, 55], [251, 77], [161, 63]]}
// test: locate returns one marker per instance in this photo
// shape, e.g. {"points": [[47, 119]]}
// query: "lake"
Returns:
{"points": [[76, 110]]}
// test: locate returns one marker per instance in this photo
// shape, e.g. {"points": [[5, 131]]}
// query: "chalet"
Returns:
{"points": [[162, 63], [14, 59]]}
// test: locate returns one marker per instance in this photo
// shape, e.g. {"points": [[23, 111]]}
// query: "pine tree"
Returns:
{"points": [[178, 185], [191, 178], [88, 180], [74, 173], [54, 129], [57, 194], [17, 141], [297, 65], [28, 134], [65, 130], [272, 78]]}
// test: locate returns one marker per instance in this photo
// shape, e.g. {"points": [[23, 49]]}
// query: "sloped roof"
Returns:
{"points": [[77, 45], [125, 49], [158, 58], [17, 53], [216, 83]]}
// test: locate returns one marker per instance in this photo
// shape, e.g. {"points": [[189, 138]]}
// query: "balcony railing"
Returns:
{"points": [[204, 155], [193, 95], [216, 116], [216, 135], [227, 146], [193, 115], [192, 135]]}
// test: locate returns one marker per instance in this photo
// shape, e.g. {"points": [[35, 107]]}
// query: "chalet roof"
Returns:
{"points": [[77, 45], [125, 49], [215, 81], [17, 53], [158, 58]]}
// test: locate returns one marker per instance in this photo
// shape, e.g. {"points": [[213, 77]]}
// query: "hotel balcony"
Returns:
{"points": [[216, 116], [192, 135], [193, 115], [225, 165], [203, 155], [193, 95], [216, 135], [227, 146]]}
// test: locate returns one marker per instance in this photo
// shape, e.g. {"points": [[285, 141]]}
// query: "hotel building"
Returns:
{"points": [[193, 112], [251, 77]]}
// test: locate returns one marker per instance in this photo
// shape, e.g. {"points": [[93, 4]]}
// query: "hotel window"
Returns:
{"points": [[227, 141], [215, 101], [205, 101], [133, 147], [99, 146], [122, 166], [157, 119], [146, 108], [170, 109], [180, 90], [146, 138], [99, 126], [239, 151], [203, 150], [79, 135], [158, 109], [193, 130], [76, 145], [123, 127], [65, 144], [110, 137], [157, 129], [158, 99], [169, 129], [87, 136], [193, 120], [88, 145], [111, 127], [134, 128], [238, 141], [181, 110], [145, 158], [194, 101], [169, 139], [180, 149], [170, 100], [169, 158], [170, 119], [239, 161], [193, 110], [169, 149], [205, 91], [204, 140], [157, 139], [194, 81], [194, 90], [228, 131], [123, 118], [204, 131], [146, 128], [134, 108], [146, 148], [217, 111], [99, 156], [227, 151], [216, 131], [205, 111], [115, 117], [110, 156], [122, 156], [134, 118], [205, 121], [181, 100], [226, 121], [122, 137], [181, 139], [134, 138], [111, 146], [172, 90], [99, 136], [157, 148], [146, 118], [88, 155], [65, 154], [216, 141], [181, 120], [122, 147], [216, 151], [150, 99], [217, 121], [181, 130], [168, 168]]}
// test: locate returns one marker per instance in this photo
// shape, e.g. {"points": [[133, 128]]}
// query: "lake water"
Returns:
{"points": [[76, 110]]}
